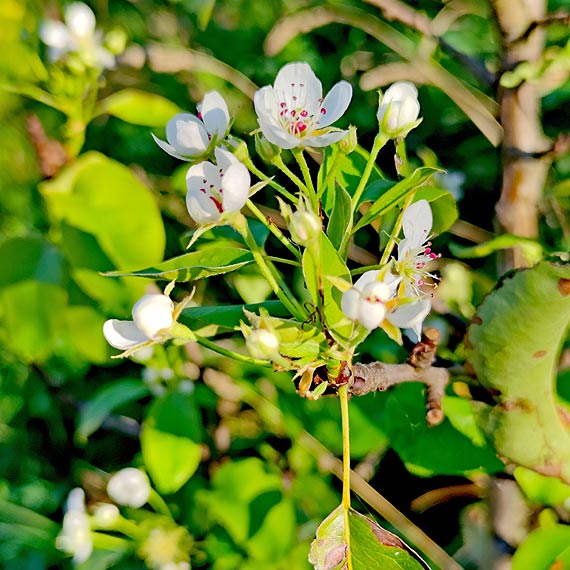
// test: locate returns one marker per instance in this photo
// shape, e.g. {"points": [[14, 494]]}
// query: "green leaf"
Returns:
{"points": [[227, 316], [513, 345], [105, 199], [394, 196], [139, 108], [320, 261], [531, 249], [440, 449], [105, 401], [169, 441], [541, 489], [543, 548], [85, 327], [372, 547], [196, 265], [340, 220]]}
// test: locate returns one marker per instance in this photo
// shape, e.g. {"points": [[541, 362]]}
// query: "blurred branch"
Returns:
{"points": [[397, 10], [525, 147], [477, 106]]}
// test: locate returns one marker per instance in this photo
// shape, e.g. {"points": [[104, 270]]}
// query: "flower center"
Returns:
{"points": [[215, 194], [296, 116], [413, 267]]}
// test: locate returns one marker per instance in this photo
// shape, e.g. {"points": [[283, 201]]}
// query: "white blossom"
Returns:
{"points": [[152, 316], [129, 487], [293, 112], [214, 190], [190, 137], [75, 536], [399, 109], [105, 515], [77, 35], [262, 343]]}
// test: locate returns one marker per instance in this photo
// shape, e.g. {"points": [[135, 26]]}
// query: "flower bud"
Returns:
{"points": [[262, 344], [129, 487], [349, 142], [399, 109], [305, 227], [153, 313], [238, 147], [105, 515], [267, 151]]}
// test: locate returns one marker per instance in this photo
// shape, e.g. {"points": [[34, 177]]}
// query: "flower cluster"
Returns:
{"points": [[77, 36], [396, 294]]}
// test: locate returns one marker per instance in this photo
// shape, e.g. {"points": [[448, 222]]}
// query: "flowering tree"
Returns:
{"points": [[329, 248]]}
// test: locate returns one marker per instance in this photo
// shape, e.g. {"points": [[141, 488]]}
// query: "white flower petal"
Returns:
{"points": [[187, 134], [153, 313], [409, 111], [80, 19], [56, 35], [75, 500], [400, 91], [366, 279], [417, 221], [235, 187], [325, 139], [335, 103], [411, 316], [225, 158], [202, 209], [371, 314], [215, 114], [123, 334], [297, 86], [349, 303], [169, 149], [277, 135]]}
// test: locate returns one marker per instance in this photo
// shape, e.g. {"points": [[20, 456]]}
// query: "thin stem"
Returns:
{"points": [[230, 353], [284, 261], [272, 276], [330, 174], [159, 504], [343, 397], [379, 142], [300, 158], [273, 229], [275, 185], [290, 174]]}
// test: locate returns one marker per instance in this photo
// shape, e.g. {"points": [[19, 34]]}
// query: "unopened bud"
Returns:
{"points": [[129, 487], [262, 344], [116, 41], [152, 313], [105, 515], [305, 227], [267, 151], [349, 142], [238, 147], [398, 110]]}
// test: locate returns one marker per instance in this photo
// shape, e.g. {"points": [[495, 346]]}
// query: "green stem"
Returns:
{"points": [[275, 185], [379, 142], [330, 174], [343, 397], [312, 195], [278, 162], [273, 229], [404, 170], [230, 353], [271, 274], [159, 504]]}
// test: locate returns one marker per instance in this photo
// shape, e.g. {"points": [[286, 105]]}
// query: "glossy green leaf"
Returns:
{"points": [[139, 108], [196, 265], [85, 327], [170, 439], [372, 547], [531, 249], [541, 489], [104, 402], [105, 199], [513, 345], [441, 449], [394, 196], [544, 549], [340, 221], [319, 261], [227, 316]]}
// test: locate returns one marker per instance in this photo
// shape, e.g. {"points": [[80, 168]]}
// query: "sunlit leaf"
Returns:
{"points": [[544, 549], [531, 249]]}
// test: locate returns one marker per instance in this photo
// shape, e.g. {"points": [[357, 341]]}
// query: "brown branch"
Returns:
{"points": [[378, 376]]}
